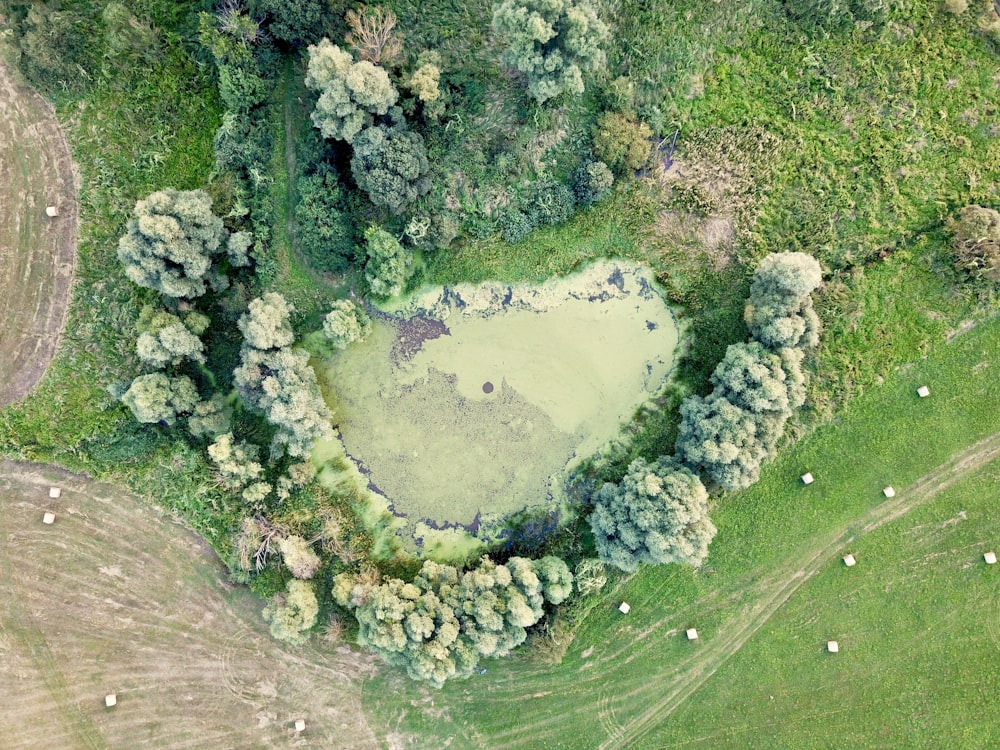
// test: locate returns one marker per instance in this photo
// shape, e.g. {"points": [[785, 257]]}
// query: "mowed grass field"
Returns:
{"points": [[115, 597], [37, 253], [916, 618]]}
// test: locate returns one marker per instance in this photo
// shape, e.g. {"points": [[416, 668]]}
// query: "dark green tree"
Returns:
{"points": [[390, 164]]}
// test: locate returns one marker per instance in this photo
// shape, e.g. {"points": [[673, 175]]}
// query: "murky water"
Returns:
{"points": [[469, 403]]}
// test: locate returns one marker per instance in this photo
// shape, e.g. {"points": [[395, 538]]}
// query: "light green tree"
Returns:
{"points": [[346, 323], [211, 418], [164, 339], [779, 311], [171, 242], [298, 556], [237, 462], [293, 613], [350, 93], [158, 398], [553, 42], [267, 322], [658, 514], [388, 266]]}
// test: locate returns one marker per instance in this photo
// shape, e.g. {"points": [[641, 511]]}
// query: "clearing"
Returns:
{"points": [[37, 253], [115, 597]]}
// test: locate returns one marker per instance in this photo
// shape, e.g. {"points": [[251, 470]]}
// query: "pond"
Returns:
{"points": [[470, 402]]}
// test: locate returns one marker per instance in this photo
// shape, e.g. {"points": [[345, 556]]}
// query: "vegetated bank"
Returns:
{"points": [[735, 190]]}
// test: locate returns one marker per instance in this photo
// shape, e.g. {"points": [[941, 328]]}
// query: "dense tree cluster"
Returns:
{"points": [[350, 93], [730, 432], [657, 514], [553, 42], [446, 620], [278, 380], [171, 242]]}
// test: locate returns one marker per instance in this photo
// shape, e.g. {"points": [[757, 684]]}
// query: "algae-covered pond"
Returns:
{"points": [[469, 402]]}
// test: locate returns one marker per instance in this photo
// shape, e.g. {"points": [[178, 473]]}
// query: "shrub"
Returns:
{"points": [[158, 398], [54, 46], [591, 181], [657, 515], [350, 93], [390, 164], [388, 266], [976, 242], [293, 614], [346, 323], [548, 202], [622, 142], [373, 34], [298, 556], [553, 42]]}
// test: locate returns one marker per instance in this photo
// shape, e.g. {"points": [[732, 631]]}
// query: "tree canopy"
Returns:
{"points": [[158, 398], [389, 264], [390, 164], [657, 514]]}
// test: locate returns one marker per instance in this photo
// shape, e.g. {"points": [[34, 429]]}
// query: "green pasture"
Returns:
{"points": [[908, 608]]}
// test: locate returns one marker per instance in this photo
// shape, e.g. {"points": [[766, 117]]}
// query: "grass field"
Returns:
{"points": [[117, 597], [767, 600], [37, 253]]}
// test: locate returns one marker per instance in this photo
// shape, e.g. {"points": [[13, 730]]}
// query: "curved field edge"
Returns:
{"points": [[116, 597], [37, 252], [623, 676]]}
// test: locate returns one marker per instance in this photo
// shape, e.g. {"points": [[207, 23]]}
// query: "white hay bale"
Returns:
{"points": [[990, 558], [692, 634], [300, 725], [624, 608], [55, 492], [110, 700], [51, 211], [923, 391], [849, 560], [889, 492], [807, 478], [832, 646], [49, 517]]}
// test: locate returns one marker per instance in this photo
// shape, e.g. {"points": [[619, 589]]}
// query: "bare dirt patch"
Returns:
{"points": [[115, 597], [37, 253]]}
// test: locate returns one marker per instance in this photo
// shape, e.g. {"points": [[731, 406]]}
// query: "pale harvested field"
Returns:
{"points": [[37, 254], [117, 597]]}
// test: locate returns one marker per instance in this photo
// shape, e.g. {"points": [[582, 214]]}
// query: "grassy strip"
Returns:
{"points": [[886, 436]]}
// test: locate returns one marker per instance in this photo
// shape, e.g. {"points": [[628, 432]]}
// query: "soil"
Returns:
{"points": [[117, 597], [37, 253]]}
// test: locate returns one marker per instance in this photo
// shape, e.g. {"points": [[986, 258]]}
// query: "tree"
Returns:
{"points": [[266, 324], [622, 142], [298, 556], [779, 311], [373, 34], [350, 93], [281, 384], [295, 22], [724, 441], [346, 323], [324, 232], [591, 181], [293, 614], [657, 515], [211, 418], [171, 241], [553, 42], [237, 462], [753, 378], [388, 266], [976, 242], [390, 164], [158, 398]]}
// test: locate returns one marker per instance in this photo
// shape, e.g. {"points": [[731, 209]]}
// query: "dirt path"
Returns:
{"points": [[37, 253], [117, 597], [774, 590]]}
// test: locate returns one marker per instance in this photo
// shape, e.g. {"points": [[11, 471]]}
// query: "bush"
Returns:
{"points": [[390, 164], [779, 311], [388, 266], [976, 242], [295, 22], [548, 202], [657, 515], [237, 462], [834, 15], [553, 42], [622, 142], [293, 614], [54, 45], [591, 181], [324, 233], [298, 556]]}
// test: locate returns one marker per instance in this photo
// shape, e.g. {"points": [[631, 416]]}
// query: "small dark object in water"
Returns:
{"points": [[487, 387]]}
